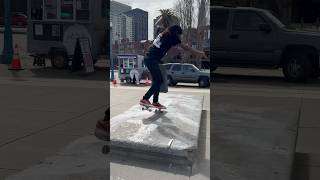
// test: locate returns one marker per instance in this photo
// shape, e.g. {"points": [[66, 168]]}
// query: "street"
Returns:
{"points": [[263, 126]]}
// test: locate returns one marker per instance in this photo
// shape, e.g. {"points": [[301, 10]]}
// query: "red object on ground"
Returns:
{"points": [[16, 62]]}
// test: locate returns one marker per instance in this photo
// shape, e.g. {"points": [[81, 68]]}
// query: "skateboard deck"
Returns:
{"points": [[150, 108]]}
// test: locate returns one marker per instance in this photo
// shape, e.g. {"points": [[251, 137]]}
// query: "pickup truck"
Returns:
{"points": [[187, 73], [252, 37]]}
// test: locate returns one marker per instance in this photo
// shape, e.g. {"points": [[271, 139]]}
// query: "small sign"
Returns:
{"points": [[86, 54]]}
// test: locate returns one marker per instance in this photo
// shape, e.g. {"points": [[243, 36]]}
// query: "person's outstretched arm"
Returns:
{"points": [[192, 50]]}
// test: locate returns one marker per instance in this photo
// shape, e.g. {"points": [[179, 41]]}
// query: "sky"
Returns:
{"points": [[152, 7]]}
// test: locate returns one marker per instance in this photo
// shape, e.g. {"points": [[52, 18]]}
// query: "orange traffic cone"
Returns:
{"points": [[115, 82], [16, 62]]}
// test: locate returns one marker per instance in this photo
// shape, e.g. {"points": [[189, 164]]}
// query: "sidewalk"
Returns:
{"points": [[307, 158], [254, 137], [76, 160]]}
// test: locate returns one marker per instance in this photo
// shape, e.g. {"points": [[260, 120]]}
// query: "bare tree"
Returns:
{"points": [[203, 12], [184, 10]]}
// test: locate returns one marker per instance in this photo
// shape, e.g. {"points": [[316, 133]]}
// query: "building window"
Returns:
{"points": [[51, 9], [82, 9], [56, 31], [47, 32], [36, 9], [66, 9]]}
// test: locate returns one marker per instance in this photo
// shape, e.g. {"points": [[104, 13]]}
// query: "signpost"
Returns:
{"points": [[111, 59], [86, 54], [7, 52]]}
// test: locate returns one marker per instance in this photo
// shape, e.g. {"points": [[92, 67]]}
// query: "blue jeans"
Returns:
{"points": [[153, 66]]}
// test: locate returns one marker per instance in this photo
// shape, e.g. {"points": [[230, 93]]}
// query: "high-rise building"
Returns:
{"points": [[155, 28], [125, 25], [140, 24], [116, 9]]}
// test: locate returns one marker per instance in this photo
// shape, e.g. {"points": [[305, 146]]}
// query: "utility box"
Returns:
{"points": [[129, 63]]}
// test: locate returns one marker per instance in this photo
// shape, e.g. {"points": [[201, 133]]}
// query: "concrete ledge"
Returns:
{"points": [[174, 132]]}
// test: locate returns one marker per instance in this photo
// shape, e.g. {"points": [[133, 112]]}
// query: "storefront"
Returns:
{"points": [[55, 25]]}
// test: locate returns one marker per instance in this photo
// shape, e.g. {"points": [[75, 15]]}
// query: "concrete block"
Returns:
{"points": [[173, 132]]}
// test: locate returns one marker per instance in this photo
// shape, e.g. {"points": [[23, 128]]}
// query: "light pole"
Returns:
{"points": [[111, 59], [7, 52]]}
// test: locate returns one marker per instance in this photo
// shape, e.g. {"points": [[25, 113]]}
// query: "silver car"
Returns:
{"points": [[187, 73]]}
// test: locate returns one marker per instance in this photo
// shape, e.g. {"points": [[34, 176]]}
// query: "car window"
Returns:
{"points": [[168, 66], [220, 19], [176, 67], [188, 68], [247, 21]]}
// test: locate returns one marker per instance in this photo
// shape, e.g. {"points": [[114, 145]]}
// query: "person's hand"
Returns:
{"points": [[203, 55]]}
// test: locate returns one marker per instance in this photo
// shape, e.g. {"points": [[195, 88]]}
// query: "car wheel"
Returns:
{"points": [[203, 82], [297, 68], [59, 60], [128, 80]]}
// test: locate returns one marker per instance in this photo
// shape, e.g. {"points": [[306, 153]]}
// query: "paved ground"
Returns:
{"points": [[42, 110], [83, 158], [130, 169], [252, 139], [40, 116], [48, 117]]}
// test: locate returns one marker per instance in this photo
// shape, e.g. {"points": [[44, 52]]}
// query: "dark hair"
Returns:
{"points": [[175, 30]]}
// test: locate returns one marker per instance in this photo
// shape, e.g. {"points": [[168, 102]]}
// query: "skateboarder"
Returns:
{"points": [[167, 39]]}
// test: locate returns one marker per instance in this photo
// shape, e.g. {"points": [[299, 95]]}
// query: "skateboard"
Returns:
{"points": [[150, 108]]}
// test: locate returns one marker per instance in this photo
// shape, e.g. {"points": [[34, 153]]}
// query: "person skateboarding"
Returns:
{"points": [[167, 39]]}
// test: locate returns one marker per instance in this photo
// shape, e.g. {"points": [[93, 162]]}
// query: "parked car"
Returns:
{"points": [[252, 37], [187, 73], [18, 19]]}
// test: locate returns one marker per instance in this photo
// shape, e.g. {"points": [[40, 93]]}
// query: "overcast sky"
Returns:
{"points": [[152, 7]]}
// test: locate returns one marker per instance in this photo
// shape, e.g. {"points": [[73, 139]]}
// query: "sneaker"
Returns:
{"points": [[145, 102], [158, 105], [102, 130]]}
